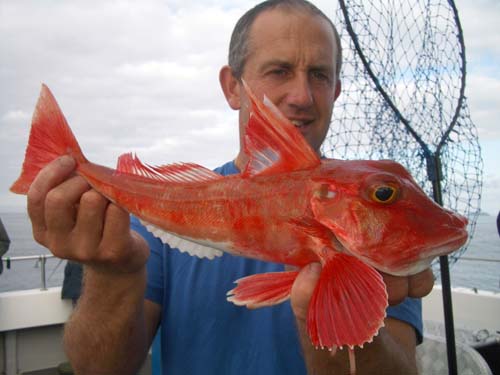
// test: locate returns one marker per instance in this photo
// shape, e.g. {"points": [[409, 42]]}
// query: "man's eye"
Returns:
{"points": [[321, 76], [279, 72]]}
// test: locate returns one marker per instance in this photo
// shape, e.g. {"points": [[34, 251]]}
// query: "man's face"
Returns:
{"points": [[291, 60]]}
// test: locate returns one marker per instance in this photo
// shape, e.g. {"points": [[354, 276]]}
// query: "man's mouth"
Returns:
{"points": [[301, 124]]}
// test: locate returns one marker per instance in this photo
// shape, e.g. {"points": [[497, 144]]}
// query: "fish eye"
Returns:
{"points": [[385, 194]]}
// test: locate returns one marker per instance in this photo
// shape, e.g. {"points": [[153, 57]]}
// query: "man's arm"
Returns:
{"points": [[392, 350], [112, 327]]}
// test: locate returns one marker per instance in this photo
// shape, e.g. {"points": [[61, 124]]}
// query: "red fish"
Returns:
{"points": [[288, 205]]}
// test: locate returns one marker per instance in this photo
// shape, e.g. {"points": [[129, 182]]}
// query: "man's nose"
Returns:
{"points": [[300, 93]]}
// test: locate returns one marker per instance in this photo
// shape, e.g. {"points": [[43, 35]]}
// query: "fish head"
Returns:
{"points": [[378, 213]]}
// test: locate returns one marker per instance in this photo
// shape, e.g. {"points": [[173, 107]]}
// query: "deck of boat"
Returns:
{"points": [[32, 321]]}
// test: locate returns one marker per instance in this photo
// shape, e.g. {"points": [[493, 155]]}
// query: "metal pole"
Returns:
{"points": [[43, 260], [434, 172], [448, 315]]}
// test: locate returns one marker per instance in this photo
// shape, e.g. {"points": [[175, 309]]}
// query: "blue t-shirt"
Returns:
{"points": [[202, 333]]}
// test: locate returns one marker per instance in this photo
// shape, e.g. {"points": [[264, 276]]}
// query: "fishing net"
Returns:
{"points": [[402, 98]]}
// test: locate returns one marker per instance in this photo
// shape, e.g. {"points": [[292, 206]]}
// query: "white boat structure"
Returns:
{"points": [[476, 316], [31, 328], [32, 321]]}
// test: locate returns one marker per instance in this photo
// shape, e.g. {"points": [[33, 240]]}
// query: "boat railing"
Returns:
{"points": [[41, 261], [480, 259]]}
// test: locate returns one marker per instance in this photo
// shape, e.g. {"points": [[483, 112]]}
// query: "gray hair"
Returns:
{"points": [[238, 46]]}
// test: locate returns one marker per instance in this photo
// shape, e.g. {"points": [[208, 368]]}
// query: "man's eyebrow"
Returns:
{"points": [[286, 64], [323, 66], [276, 62]]}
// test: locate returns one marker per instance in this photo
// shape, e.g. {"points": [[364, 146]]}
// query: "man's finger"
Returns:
{"points": [[303, 288], [90, 223], [421, 284], [397, 288], [61, 205], [49, 177]]}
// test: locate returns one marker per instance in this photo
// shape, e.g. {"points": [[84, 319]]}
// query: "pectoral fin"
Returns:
{"points": [[263, 289], [348, 305]]}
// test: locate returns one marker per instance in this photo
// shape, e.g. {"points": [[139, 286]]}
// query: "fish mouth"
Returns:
{"points": [[413, 260], [454, 236], [448, 246], [408, 267]]}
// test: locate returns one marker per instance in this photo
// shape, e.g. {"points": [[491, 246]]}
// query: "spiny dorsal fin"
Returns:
{"points": [[180, 173], [272, 142], [183, 245]]}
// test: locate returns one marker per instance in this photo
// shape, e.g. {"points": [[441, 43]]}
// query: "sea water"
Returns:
{"points": [[26, 274], [480, 274]]}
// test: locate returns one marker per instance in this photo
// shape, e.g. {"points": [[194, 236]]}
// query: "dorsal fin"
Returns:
{"points": [[272, 142], [180, 173], [130, 163]]}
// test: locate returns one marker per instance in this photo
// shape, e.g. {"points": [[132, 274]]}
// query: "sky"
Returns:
{"points": [[142, 76]]}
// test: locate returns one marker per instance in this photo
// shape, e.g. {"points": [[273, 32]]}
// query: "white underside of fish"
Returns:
{"points": [[199, 249]]}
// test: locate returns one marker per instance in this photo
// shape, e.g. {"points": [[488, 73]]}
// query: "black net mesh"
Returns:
{"points": [[402, 98]]}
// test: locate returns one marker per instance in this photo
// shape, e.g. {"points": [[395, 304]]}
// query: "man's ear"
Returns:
{"points": [[230, 86], [338, 88]]}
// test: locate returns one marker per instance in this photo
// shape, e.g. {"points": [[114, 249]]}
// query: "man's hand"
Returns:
{"points": [[302, 290], [398, 287], [392, 350], [416, 286], [75, 222]]}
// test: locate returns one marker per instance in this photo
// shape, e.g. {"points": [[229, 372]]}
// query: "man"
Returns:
{"points": [[4, 243], [289, 51]]}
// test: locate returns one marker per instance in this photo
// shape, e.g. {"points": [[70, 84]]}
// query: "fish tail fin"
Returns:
{"points": [[265, 289], [348, 304], [50, 137]]}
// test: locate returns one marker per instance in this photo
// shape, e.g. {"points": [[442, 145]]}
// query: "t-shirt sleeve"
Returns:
{"points": [[154, 286], [409, 311]]}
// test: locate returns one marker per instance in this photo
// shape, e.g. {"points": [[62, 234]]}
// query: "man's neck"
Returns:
{"points": [[241, 161]]}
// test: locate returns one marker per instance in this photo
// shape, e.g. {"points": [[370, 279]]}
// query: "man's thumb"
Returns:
{"points": [[303, 288]]}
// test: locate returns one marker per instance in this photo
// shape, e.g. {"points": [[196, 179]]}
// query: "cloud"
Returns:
{"points": [[482, 39], [15, 116], [482, 47], [485, 107], [143, 76], [490, 194]]}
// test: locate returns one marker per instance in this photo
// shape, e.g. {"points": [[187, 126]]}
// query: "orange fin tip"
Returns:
{"points": [[272, 142]]}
